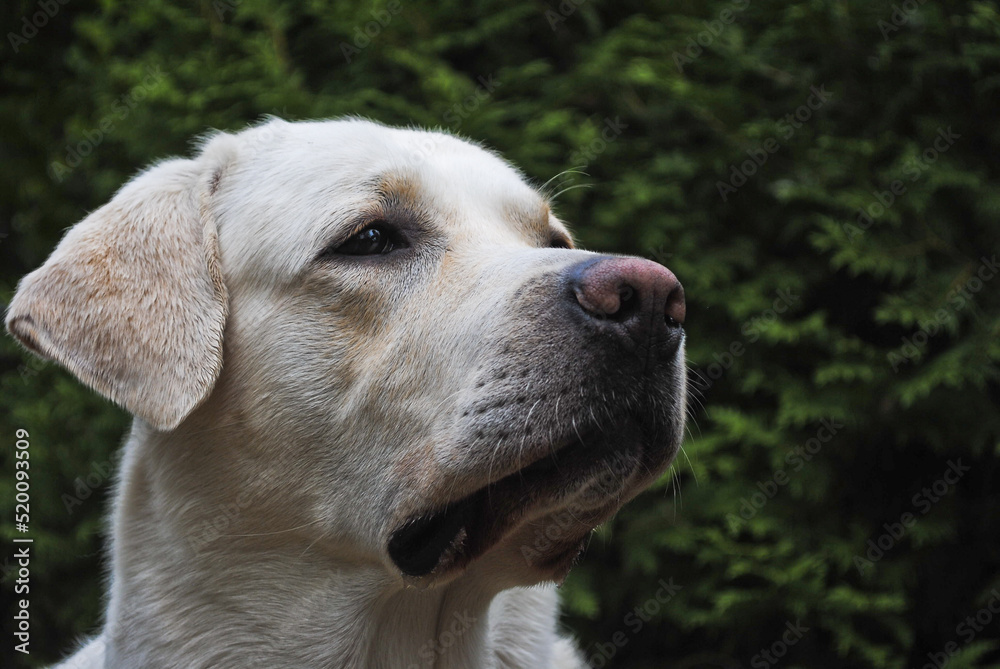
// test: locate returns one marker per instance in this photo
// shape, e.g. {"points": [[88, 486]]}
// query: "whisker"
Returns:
{"points": [[690, 464], [569, 188], [524, 433], [312, 543], [571, 170], [267, 534]]}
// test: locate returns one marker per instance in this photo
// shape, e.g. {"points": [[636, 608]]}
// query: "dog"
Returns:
{"points": [[380, 400]]}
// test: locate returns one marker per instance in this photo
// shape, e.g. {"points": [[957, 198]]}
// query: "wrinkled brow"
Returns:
{"points": [[535, 221], [531, 217], [397, 189]]}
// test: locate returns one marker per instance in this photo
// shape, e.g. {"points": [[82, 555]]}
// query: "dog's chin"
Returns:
{"points": [[548, 508]]}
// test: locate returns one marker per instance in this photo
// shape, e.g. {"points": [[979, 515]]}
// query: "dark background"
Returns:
{"points": [[843, 359]]}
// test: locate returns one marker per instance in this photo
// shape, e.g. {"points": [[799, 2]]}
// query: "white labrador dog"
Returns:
{"points": [[380, 401]]}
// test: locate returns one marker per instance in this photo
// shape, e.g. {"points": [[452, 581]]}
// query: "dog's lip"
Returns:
{"points": [[456, 533]]}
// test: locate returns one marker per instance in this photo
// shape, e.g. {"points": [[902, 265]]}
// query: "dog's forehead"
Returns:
{"points": [[295, 184]]}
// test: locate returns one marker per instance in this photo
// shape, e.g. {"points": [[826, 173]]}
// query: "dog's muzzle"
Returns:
{"points": [[627, 314]]}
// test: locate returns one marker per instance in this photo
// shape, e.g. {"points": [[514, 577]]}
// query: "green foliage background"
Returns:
{"points": [[799, 311]]}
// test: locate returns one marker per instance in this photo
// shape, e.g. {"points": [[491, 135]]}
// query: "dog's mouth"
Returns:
{"points": [[453, 535]]}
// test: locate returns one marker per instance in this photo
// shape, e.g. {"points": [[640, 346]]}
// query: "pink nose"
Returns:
{"points": [[642, 295]]}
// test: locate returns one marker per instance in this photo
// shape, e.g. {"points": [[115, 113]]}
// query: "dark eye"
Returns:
{"points": [[377, 239]]}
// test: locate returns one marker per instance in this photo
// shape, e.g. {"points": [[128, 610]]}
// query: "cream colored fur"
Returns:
{"points": [[291, 411]]}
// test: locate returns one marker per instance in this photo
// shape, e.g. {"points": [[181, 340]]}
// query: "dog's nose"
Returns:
{"points": [[641, 296]]}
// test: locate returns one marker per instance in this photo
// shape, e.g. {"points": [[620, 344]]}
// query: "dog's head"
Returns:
{"points": [[380, 338]]}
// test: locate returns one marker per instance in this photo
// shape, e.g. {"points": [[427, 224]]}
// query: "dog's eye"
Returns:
{"points": [[376, 239]]}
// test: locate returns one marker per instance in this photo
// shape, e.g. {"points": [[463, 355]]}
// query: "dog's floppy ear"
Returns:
{"points": [[132, 300]]}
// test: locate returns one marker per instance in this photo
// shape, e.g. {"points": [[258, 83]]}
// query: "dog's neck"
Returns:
{"points": [[205, 596]]}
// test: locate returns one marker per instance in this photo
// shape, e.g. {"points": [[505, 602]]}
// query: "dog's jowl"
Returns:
{"points": [[380, 400]]}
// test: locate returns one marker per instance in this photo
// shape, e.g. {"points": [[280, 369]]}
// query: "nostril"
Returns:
{"points": [[621, 290], [629, 302], [676, 308]]}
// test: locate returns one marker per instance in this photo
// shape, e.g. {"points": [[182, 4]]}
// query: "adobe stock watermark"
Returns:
{"points": [[120, 110], [264, 134], [770, 656], [363, 36], [697, 44], [223, 7], [750, 330], [428, 143], [913, 169], [7, 569], [565, 524], [901, 15], [586, 154], [460, 111], [86, 485], [605, 651], [208, 531], [914, 346], [565, 9], [922, 503], [461, 622], [787, 127], [967, 631], [796, 459], [47, 10], [31, 367]]}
